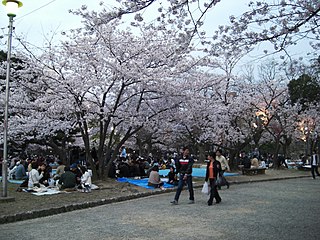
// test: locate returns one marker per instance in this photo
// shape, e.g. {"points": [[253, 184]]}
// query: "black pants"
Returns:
{"points": [[214, 191], [314, 169]]}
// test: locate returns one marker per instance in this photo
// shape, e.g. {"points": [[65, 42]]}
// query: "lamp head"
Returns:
{"points": [[12, 7]]}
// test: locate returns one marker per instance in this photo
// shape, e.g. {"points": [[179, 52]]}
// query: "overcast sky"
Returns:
{"points": [[40, 19]]}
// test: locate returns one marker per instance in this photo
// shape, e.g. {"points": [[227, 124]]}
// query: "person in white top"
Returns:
{"points": [[263, 164], [85, 181], [34, 176], [223, 161], [314, 164], [224, 164]]}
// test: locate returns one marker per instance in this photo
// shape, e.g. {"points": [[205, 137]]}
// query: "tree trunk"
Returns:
{"points": [[233, 163], [202, 154], [276, 154]]}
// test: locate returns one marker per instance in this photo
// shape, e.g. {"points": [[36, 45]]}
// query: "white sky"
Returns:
{"points": [[38, 19]]}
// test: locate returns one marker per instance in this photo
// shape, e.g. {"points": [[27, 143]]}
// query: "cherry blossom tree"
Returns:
{"points": [[281, 23], [119, 74], [109, 81]]}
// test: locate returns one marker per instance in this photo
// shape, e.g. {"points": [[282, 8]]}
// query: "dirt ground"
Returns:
{"points": [[24, 202]]}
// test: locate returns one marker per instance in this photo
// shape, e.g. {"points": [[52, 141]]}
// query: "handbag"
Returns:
{"points": [[220, 180], [205, 188]]}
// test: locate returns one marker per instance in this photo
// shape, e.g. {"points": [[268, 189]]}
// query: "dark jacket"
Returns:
{"points": [[68, 180], [246, 162], [184, 165], [216, 169], [172, 177]]}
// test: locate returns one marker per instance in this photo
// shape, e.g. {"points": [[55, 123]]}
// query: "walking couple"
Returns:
{"points": [[184, 168]]}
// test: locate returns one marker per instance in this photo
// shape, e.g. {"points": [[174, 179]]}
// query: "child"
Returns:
{"points": [[172, 177]]}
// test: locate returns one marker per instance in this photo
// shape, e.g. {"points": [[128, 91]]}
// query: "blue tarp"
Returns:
{"points": [[142, 182], [197, 172], [13, 181]]}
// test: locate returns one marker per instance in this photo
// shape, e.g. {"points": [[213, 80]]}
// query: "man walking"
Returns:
{"points": [[224, 165], [314, 164], [184, 168]]}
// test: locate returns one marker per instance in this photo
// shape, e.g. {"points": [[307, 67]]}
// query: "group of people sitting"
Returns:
{"points": [[39, 174], [154, 179], [253, 162]]}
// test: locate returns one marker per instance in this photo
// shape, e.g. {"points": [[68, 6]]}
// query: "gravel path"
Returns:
{"points": [[287, 209]]}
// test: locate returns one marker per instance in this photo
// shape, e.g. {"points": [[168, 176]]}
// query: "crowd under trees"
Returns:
{"points": [[122, 80]]}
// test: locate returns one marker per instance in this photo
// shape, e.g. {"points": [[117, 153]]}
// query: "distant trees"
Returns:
{"points": [[304, 90]]}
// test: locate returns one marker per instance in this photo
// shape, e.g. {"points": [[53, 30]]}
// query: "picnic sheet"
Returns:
{"points": [[48, 191], [144, 182], [197, 172], [51, 191]]}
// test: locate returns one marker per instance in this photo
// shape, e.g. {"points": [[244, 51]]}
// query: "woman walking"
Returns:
{"points": [[213, 171]]}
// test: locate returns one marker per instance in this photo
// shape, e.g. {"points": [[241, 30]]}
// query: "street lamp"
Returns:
{"points": [[11, 8]]}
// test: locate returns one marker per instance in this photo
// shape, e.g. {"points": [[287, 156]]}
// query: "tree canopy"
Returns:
{"points": [[111, 83], [304, 90]]}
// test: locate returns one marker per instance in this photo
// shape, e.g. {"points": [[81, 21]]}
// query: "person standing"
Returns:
{"points": [[184, 168], [123, 153], [213, 171], [314, 164], [224, 164]]}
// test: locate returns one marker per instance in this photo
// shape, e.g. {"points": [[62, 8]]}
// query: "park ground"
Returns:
{"points": [[25, 204]]}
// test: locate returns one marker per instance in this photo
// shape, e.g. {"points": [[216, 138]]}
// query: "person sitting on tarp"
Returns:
{"points": [[86, 183], [67, 180], [173, 180], [154, 178], [34, 176], [21, 171], [59, 170], [46, 169], [75, 169], [254, 162]]}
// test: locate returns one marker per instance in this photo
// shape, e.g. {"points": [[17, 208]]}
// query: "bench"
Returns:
{"points": [[253, 171]]}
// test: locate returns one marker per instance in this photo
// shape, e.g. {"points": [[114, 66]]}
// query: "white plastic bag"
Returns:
{"points": [[205, 188]]}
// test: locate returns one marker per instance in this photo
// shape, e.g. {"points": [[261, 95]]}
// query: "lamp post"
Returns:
{"points": [[11, 8], [305, 132]]}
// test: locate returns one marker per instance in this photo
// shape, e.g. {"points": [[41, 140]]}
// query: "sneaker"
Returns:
{"points": [[191, 202], [174, 202]]}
